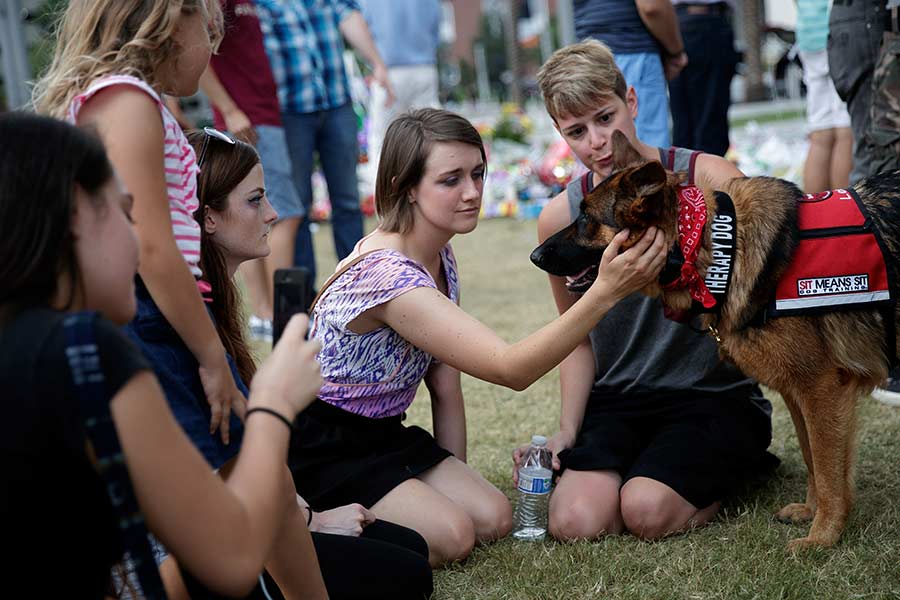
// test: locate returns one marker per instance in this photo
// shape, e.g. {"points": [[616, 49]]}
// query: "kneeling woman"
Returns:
{"points": [[390, 318], [235, 219]]}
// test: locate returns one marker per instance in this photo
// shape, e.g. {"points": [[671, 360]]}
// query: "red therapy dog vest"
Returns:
{"points": [[838, 262]]}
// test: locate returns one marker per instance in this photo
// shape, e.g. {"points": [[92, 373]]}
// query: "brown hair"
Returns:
{"points": [[575, 79], [224, 167], [42, 160], [405, 150], [101, 37]]}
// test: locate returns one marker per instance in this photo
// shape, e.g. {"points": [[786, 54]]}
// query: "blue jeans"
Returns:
{"points": [[644, 72], [332, 134], [273, 154]]}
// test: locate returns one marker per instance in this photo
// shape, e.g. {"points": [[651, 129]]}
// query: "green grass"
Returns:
{"points": [[781, 115], [740, 555]]}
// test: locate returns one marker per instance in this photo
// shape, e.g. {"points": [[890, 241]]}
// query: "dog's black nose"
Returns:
{"points": [[537, 256]]}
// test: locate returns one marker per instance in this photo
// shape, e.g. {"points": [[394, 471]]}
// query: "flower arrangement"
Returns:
{"points": [[513, 124]]}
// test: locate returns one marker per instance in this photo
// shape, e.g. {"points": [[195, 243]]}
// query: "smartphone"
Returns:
{"points": [[293, 294]]}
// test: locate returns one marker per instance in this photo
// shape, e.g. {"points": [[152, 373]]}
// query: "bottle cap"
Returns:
{"points": [[539, 440]]}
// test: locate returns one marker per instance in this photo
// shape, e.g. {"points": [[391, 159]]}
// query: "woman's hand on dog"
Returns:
{"points": [[561, 440], [622, 274]]}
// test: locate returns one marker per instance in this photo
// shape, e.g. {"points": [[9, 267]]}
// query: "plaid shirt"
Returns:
{"points": [[305, 49]]}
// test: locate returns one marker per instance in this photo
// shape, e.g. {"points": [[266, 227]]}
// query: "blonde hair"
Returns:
{"points": [[101, 37], [575, 78], [404, 154]]}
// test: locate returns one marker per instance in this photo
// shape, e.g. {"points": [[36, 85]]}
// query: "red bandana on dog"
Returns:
{"points": [[691, 220]]}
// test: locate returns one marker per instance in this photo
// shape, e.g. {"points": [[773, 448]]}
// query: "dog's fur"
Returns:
{"points": [[821, 365]]}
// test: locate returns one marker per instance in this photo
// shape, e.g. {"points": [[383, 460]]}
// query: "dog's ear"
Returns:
{"points": [[649, 182], [649, 178], [623, 153]]}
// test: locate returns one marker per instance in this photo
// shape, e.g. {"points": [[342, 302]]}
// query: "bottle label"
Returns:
{"points": [[534, 485]]}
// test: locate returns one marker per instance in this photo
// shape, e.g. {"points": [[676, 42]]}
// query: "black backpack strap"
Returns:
{"points": [[90, 388]]}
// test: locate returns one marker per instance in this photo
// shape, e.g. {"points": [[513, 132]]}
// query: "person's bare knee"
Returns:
{"points": [[822, 137], [652, 510], [581, 518], [494, 518], [454, 539]]}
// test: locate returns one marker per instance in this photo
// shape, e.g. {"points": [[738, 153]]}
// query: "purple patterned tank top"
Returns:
{"points": [[373, 374]]}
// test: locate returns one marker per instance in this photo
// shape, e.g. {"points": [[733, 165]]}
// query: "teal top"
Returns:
{"points": [[812, 24]]}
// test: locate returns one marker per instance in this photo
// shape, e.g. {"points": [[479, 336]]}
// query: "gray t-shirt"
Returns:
{"points": [[638, 352]]}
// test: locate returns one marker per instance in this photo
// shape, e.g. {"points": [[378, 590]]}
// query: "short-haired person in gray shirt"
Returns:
{"points": [[655, 430]]}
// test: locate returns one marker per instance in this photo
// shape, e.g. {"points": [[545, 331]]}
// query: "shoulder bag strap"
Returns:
{"points": [[337, 274], [90, 388]]}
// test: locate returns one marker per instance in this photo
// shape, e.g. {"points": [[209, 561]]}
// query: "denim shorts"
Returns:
{"points": [[178, 373], [280, 189]]}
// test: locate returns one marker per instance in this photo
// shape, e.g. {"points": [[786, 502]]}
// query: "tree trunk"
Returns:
{"points": [[754, 18], [511, 35]]}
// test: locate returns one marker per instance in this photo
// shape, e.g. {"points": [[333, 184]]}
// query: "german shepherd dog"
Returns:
{"points": [[820, 364]]}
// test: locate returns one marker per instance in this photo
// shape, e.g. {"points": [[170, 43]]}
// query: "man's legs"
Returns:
{"points": [[883, 136], [701, 94], [415, 86], [644, 72], [300, 131], [883, 141], [338, 149], [282, 194], [855, 30]]}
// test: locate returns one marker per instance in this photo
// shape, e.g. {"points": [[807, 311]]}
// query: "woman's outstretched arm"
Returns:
{"points": [[431, 321]]}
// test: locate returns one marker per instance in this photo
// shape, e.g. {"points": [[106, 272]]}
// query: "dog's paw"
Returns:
{"points": [[798, 545], [797, 512]]}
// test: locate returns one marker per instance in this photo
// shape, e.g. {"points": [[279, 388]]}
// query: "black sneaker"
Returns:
{"points": [[889, 393]]}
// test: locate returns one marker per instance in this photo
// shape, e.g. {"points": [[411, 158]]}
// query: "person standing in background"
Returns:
{"points": [[241, 89], [304, 41], [855, 29], [863, 49], [645, 39], [701, 94], [407, 35], [830, 156]]}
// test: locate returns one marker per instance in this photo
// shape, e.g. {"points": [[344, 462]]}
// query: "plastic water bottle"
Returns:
{"points": [[535, 477]]}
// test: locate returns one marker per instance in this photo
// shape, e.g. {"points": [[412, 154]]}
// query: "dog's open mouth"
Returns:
{"points": [[581, 281]]}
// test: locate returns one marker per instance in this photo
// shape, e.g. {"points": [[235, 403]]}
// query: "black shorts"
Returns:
{"points": [[700, 446], [337, 457]]}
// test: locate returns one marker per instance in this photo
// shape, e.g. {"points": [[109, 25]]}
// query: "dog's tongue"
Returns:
{"points": [[679, 316], [579, 275]]}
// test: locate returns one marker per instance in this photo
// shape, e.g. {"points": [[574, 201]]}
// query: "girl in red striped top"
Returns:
{"points": [[113, 62]]}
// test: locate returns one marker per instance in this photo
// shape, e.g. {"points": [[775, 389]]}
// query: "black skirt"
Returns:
{"points": [[337, 457]]}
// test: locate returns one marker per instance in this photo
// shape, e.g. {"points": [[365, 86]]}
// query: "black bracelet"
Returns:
{"points": [[309, 520], [274, 413], [674, 54]]}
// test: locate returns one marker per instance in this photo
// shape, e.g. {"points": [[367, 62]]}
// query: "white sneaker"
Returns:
{"points": [[260, 329], [890, 393]]}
